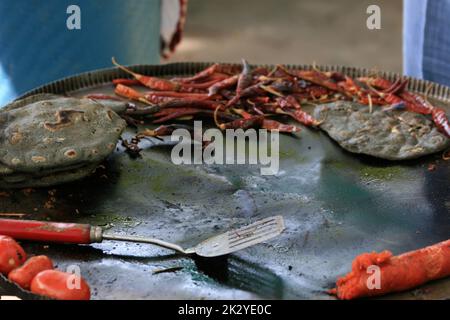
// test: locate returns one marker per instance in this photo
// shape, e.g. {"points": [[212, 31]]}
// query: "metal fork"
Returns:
{"points": [[222, 244]]}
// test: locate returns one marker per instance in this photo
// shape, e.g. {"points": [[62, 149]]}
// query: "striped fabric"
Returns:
{"points": [[426, 40]]}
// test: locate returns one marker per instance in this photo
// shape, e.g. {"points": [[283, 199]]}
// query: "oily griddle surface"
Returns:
{"points": [[336, 205]]}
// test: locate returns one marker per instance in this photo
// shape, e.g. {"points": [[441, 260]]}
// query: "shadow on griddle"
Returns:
{"points": [[64, 202], [378, 162], [8, 288], [436, 191], [435, 174], [243, 275]]}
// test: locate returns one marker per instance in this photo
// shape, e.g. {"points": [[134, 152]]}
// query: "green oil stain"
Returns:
{"points": [[109, 220], [158, 184], [381, 173], [365, 171], [293, 156], [165, 178], [340, 165], [286, 154]]}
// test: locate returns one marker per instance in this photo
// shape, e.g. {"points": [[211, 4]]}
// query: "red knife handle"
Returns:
{"points": [[49, 231]]}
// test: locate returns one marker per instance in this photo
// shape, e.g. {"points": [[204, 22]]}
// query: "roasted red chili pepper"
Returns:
{"points": [[245, 78], [23, 275], [174, 113], [11, 255], [320, 79], [278, 126], [200, 75], [253, 122], [226, 83], [60, 285], [203, 85], [150, 82], [253, 90], [270, 124], [188, 103], [164, 130], [101, 96], [126, 82], [127, 92]]}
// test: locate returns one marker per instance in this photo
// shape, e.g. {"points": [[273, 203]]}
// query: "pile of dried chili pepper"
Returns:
{"points": [[245, 97]]}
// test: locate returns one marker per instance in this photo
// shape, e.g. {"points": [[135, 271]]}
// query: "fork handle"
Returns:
{"points": [[50, 231], [156, 242]]}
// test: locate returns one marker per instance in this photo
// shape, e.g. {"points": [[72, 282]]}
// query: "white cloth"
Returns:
{"points": [[173, 18]]}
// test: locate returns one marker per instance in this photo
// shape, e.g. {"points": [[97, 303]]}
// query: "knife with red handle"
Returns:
{"points": [[50, 231], [72, 233]]}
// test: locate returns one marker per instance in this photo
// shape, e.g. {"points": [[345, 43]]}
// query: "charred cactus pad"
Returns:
{"points": [[47, 140], [392, 135]]}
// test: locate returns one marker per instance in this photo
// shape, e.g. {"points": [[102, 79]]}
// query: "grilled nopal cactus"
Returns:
{"points": [[47, 140], [391, 135]]}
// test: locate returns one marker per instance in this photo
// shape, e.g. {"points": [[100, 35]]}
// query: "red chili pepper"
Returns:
{"points": [[130, 93], [158, 99], [127, 82], [378, 83], [169, 111], [320, 79], [396, 93], [185, 95], [278, 126], [253, 122], [164, 130], [416, 103], [254, 90], [150, 82], [142, 111], [247, 121], [441, 120], [174, 113], [226, 83], [60, 285], [260, 99], [24, 275], [270, 124], [127, 92], [11, 255], [260, 71], [289, 101], [218, 76], [100, 96], [188, 103], [291, 107], [200, 75], [271, 108], [317, 91], [203, 85], [303, 117], [244, 81], [169, 114], [245, 78]]}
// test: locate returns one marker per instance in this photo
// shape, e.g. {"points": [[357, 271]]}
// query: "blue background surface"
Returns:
{"points": [[37, 47], [426, 40]]}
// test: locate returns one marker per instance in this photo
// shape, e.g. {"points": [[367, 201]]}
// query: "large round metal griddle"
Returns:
{"points": [[336, 205]]}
